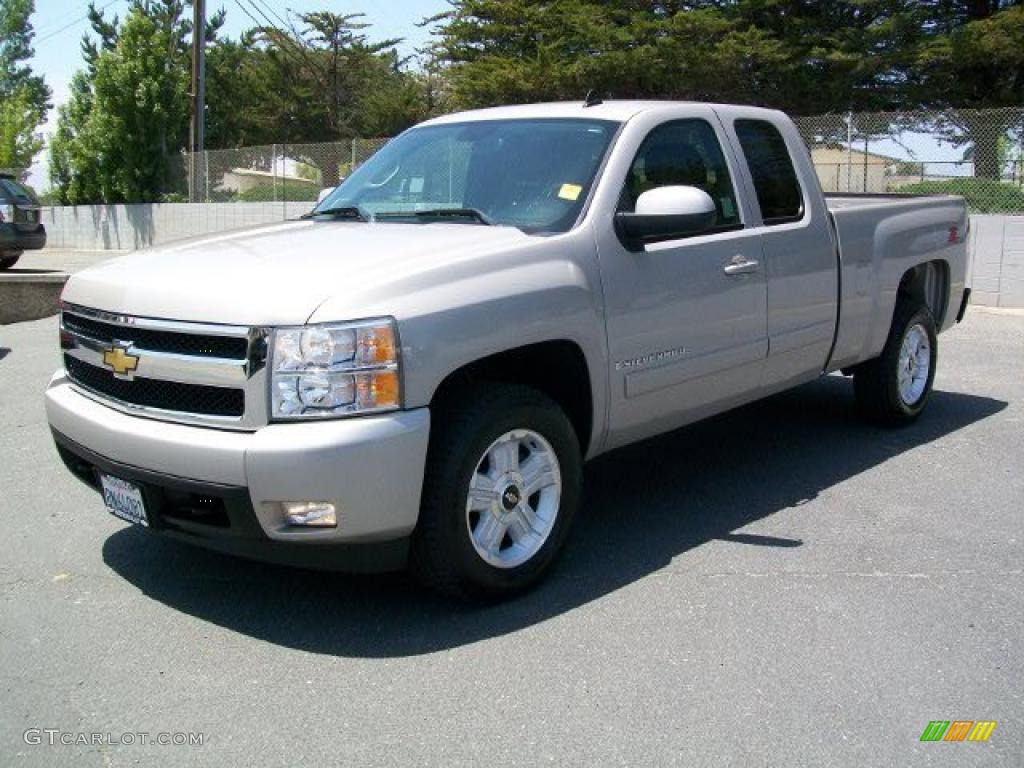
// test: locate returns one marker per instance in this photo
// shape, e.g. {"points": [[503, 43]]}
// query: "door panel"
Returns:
{"points": [[799, 251], [686, 318], [684, 337]]}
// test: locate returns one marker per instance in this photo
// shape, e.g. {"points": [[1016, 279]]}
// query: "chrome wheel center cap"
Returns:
{"points": [[511, 497]]}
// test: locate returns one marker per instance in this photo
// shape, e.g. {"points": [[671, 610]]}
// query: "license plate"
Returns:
{"points": [[124, 500]]}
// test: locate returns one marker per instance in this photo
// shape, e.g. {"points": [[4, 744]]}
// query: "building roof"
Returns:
{"points": [[268, 175]]}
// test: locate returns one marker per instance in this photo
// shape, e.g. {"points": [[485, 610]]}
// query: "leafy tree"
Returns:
{"points": [[74, 169], [19, 142], [120, 136], [24, 96], [971, 56], [806, 57], [314, 78]]}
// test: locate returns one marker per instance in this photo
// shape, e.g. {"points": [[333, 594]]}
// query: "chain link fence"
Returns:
{"points": [[975, 153], [275, 173], [978, 154]]}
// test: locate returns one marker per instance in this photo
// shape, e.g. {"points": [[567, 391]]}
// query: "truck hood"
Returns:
{"points": [[280, 274]]}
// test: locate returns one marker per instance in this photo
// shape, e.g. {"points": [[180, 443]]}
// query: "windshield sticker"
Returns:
{"points": [[570, 192]]}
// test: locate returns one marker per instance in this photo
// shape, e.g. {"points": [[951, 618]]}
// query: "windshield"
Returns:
{"points": [[530, 174]]}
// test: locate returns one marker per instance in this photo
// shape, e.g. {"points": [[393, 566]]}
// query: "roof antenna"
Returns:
{"points": [[592, 99]]}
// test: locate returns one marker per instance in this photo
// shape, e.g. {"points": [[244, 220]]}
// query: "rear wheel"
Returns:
{"points": [[8, 260], [894, 388], [502, 484]]}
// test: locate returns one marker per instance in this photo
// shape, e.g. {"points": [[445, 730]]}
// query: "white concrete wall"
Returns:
{"points": [[996, 269], [127, 227]]}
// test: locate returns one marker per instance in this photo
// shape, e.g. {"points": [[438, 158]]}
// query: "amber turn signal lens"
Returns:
{"points": [[379, 390]]}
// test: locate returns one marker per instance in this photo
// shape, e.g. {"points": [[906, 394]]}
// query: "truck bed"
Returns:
{"points": [[880, 237]]}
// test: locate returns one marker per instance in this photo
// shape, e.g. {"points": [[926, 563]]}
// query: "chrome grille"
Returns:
{"points": [[156, 394], [192, 373], [199, 345]]}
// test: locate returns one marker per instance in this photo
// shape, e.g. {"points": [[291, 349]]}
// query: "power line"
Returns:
{"points": [[284, 36], [263, 23], [69, 25], [275, 15]]}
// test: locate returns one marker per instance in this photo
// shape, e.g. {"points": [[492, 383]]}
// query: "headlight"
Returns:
{"points": [[323, 371]]}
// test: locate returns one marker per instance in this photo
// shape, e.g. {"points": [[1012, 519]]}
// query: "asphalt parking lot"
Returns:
{"points": [[779, 586]]}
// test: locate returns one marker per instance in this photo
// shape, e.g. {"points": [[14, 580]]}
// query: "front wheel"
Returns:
{"points": [[894, 388], [502, 485], [8, 260]]}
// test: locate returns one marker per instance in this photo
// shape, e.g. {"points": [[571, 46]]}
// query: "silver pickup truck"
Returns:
{"points": [[415, 373]]}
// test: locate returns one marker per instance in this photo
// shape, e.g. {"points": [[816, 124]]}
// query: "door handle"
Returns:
{"points": [[741, 265]]}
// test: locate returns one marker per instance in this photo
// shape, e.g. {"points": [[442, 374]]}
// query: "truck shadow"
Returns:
{"points": [[644, 505]]}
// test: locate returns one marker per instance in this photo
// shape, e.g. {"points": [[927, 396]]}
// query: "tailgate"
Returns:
{"points": [[26, 207]]}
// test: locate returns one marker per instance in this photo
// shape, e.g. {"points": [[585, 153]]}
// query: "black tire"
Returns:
{"points": [[876, 383], [6, 262], [463, 427]]}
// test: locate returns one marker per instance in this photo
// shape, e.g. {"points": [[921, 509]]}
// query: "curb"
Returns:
{"points": [[29, 295]]}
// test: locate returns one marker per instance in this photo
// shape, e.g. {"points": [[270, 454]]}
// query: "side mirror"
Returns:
{"points": [[323, 194], [667, 213]]}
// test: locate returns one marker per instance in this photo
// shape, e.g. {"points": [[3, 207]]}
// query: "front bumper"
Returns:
{"points": [[222, 489]]}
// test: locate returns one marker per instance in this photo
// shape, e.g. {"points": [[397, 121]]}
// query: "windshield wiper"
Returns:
{"points": [[440, 213], [352, 212]]}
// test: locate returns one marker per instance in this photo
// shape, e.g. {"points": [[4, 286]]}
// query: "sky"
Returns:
{"points": [[60, 24]]}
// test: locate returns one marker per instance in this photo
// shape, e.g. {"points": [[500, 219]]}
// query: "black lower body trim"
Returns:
{"points": [[221, 518], [963, 304]]}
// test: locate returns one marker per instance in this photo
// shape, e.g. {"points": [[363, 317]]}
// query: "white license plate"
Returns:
{"points": [[124, 500]]}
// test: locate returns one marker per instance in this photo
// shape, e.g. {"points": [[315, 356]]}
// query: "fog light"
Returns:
{"points": [[310, 514]]}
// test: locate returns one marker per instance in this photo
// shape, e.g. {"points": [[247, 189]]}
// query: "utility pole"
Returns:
{"points": [[198, 100]]}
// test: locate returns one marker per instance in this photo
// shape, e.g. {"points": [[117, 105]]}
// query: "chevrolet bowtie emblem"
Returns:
{"points": [[118, 359]]}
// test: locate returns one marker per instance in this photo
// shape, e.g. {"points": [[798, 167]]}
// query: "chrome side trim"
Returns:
{"points": [[165, 366], [174, 326]]}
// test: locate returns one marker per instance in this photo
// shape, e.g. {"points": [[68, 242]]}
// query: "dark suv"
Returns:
{"points": [[20, 227]]}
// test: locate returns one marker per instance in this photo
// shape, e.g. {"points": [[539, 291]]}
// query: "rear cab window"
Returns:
{"points": [[775, 181]]}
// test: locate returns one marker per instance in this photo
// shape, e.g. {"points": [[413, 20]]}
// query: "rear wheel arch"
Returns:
{"points": [[927, 284]]}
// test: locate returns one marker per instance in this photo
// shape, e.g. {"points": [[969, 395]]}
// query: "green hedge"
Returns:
{"points": [[267, 194], [982, 195]]}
